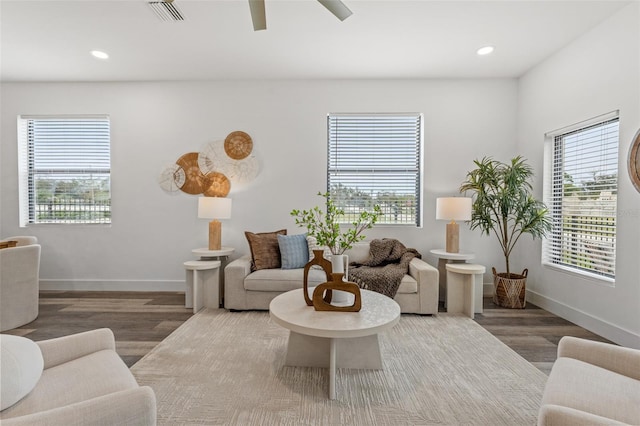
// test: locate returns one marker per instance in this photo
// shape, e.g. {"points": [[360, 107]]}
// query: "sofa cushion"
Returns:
{"points": [[291, 279], [408, 284], [265, 251], [359, 252], [592, 389], [21, 366], [282, 279], [294, 252]]}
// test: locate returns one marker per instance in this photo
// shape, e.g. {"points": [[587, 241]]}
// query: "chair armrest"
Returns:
{"points": [[555, 415], [129, 407], [67, 348], [621, 360]]}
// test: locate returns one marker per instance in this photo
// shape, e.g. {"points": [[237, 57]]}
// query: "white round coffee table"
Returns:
{"points": [[334, 339]]}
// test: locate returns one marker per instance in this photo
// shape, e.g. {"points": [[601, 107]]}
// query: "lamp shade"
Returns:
{"points": [[453, 208], [214, 208]]}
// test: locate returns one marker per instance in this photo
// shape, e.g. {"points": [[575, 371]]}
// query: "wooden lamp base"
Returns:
{"points": [[453, 232], [215, 235]]}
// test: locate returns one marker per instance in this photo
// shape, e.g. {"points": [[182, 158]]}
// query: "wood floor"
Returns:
{"points": [[531, 332], [141, 320]]}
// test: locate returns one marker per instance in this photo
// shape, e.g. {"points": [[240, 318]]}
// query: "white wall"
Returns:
{"points": [[596, 74], [152, 124]]}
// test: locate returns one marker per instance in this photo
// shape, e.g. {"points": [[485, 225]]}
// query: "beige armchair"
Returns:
{"points": [[19, 286], [592, 383], [84, 382]]}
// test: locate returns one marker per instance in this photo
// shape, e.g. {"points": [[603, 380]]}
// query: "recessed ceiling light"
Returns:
{"points": [[485, 50], [99, 54]]}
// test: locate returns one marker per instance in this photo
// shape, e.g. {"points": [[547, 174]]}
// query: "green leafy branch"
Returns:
{"points": [[326, 228]]}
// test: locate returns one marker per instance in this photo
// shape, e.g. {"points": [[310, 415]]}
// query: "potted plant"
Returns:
{"points": [[503, 205], [326, 228], [327, 232]]}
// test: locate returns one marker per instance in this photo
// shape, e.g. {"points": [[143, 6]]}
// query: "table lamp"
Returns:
{"points": [[214, 208], [453, 208]]}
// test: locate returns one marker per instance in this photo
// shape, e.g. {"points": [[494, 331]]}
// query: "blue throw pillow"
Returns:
{"points": [[294, 251]]}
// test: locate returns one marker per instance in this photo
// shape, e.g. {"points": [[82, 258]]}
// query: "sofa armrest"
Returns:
{"points": [[129, 407], [238, 268], [422, 271], [621, 360], [427, 278], [67, 348], [234, 274], [555, 415]]}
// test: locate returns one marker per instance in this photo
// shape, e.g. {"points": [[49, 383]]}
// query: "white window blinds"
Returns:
{"points": [[583, 180], [65, 169], [376, 159]]}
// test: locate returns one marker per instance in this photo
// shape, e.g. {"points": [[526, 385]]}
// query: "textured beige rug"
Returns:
{"points": [[227, 368]]}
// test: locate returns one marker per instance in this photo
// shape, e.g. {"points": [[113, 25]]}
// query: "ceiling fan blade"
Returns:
{"points": [[339, 9], [258, 15]]}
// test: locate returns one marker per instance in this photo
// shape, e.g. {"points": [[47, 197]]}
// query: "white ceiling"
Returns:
{"points": [[51, 40]]}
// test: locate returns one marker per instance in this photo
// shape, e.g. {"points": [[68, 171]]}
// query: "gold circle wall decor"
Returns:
{"points": [[238, 145], [634, 161], [216, 185], [211, 171], [194, 178]]}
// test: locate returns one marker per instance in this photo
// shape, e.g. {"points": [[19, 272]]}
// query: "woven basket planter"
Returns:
{"points": [[509, 289]]}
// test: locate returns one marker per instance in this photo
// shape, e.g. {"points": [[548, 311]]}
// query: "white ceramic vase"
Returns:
{"points": [[340, 264]]}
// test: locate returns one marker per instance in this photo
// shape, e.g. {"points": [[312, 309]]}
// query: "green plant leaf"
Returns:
{"points": [[326, 229], [503, 203]]}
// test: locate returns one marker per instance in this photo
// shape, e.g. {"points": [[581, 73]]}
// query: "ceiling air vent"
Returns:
{"points": [[166, 10]]}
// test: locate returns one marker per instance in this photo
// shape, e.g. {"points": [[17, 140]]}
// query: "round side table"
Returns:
{"points": [[223, 256], [445, 257], [203, 284]]}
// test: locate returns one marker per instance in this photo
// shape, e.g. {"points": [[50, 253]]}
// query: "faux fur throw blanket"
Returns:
{"points": [[388, 262]]}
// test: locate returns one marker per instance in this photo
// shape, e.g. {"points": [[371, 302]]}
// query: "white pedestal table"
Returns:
{"points": [[464, 288], [202, 284], [334, 339], [223, 256], [445, 257]]}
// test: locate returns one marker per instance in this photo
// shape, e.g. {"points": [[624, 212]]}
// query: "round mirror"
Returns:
{"points": [[634, 161]]}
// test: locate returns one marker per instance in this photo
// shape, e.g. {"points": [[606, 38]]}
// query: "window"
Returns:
{"points": [[582, 179], [64, 169], [376, 159]]}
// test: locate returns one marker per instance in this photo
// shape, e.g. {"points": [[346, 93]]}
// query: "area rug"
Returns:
{"points": [[224, 367]]}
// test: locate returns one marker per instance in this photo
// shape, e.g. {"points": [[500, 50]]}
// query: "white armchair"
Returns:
{"points": [[592, 383], [84, 382], [19, 282]]}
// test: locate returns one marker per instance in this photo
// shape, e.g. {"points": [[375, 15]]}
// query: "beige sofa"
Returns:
{"points": [[592, 383], [19, 286], [84, 382], [245, 290]]}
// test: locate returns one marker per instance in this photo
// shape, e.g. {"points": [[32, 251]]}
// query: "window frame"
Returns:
{"points": [[554, 195], [414, 171], [94, 212]]}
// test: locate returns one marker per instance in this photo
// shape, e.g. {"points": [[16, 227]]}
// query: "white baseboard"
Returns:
{"points": [[112, 285], [596, 325]]}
